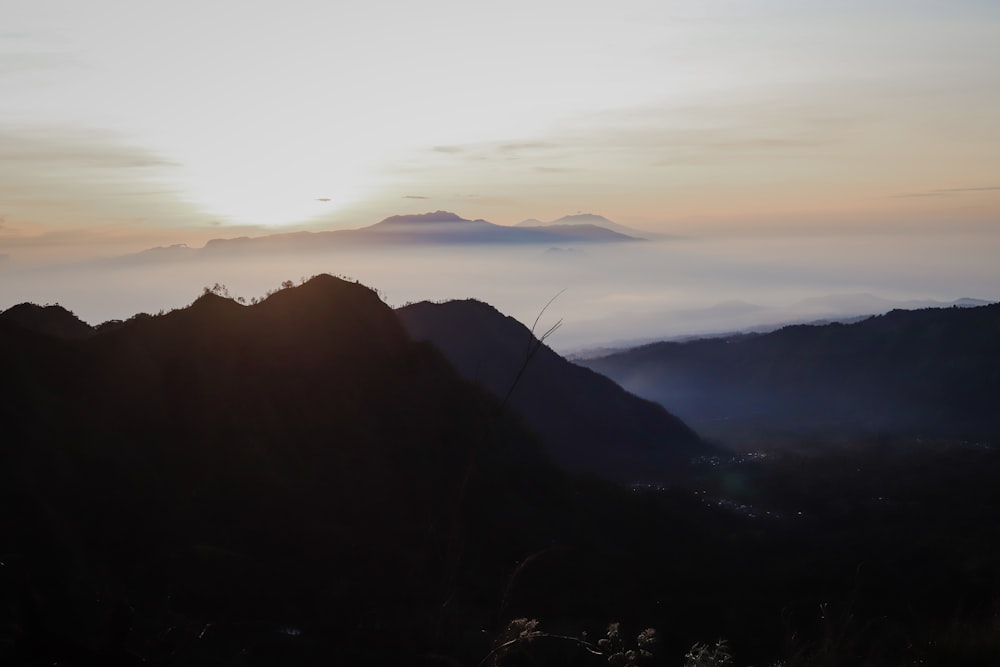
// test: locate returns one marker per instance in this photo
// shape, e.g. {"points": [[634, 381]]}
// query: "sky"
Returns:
{"points": [[125, 125]]}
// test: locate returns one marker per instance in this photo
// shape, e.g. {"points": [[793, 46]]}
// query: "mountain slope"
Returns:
{"points": [[929, 372], [233, 466], [587, 422], [292, 482]]}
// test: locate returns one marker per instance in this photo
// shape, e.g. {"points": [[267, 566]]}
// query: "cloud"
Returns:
{"points": [[486, 153], [17, 63], [59, 237], [662, 134], [415, 197], [70, 149], [526, 146], [555, 170], [22, 52], [944, 192], [58, 176]]}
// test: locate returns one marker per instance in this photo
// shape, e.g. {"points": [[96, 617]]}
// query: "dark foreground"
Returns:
{"points": [[299, 483]]}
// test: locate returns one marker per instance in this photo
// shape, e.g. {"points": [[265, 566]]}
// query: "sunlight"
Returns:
{"points": [[272, 195]]}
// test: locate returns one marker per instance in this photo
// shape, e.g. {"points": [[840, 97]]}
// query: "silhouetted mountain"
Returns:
{"points": [[52, 320], [216, 481], [932, 372], [586, 422]]}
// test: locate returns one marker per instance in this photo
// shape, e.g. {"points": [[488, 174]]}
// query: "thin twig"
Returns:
{"points": [[534, 344], [587, 646]]}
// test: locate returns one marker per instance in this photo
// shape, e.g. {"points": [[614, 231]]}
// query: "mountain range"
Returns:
{"points": [[434, 228], [931, 372], [586, 423]]}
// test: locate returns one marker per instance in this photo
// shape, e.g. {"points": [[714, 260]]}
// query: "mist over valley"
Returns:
{"points": [[615, 290]]}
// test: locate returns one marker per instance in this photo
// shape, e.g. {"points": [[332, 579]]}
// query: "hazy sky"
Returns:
{"points": [[126, 124], [128, 118]]}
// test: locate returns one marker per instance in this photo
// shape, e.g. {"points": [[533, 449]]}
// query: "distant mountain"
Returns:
{"points": [[586, 422], [733, 317], [931, 372], [585, 219], [52, 320], [857, 304], [434, 228]]}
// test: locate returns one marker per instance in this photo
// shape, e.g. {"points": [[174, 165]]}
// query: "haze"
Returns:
{"points": [[611, 294], [800, 149]]}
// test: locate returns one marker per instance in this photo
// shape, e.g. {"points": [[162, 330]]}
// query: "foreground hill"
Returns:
{"points": [[296, 478], [298, 482], [587, 422], [931, 372]]}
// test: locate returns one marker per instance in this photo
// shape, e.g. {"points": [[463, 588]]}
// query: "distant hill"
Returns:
{"points": [[733, 317], [931, 372], [859, 304], [586, 422]]}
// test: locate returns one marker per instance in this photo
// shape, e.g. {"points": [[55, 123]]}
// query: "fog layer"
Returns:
{"points": [[608, 294]]}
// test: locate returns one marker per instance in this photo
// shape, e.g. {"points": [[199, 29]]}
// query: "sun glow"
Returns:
{"points": [[286, 192]]}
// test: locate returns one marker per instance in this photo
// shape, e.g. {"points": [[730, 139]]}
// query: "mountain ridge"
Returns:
{"points": [[927, 372], [588, 423]]}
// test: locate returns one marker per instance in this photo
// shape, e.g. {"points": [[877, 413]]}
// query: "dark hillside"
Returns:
{"points": [[297, 482], [223, 479], [923, 373], [586, 422]]}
